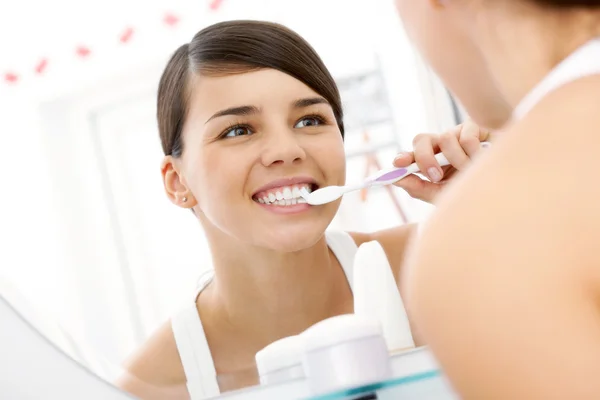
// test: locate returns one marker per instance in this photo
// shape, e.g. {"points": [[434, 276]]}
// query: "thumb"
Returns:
{"points": [[404, 159]]}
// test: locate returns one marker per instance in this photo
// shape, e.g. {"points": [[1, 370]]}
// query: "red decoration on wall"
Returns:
{"points": [[41, 66], [215, 4], [10, 77], [82, 51], [126, 35], [170, 19]]}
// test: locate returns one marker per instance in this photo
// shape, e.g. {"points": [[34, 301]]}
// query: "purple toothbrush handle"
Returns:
{"points": [[399, 173]]}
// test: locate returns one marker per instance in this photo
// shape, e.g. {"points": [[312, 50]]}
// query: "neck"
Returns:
{"points": [[270, 294], [528, 43]]}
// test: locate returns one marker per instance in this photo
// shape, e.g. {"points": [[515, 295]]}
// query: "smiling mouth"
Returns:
{"points": [[284, 195]]}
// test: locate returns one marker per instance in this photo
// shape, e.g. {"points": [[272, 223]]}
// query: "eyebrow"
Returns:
{"points": [[311, 101], [250, 110], [240, 111]]}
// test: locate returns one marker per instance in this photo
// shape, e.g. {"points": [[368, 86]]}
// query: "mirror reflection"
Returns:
{"points": [[166, 240]]}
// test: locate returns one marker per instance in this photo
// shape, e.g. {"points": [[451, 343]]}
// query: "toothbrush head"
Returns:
{"points": [[322, 196], [304, 193]]}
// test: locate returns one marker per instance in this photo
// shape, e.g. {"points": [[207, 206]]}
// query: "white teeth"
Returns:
{"points": [[286, 196], [287, 193]]}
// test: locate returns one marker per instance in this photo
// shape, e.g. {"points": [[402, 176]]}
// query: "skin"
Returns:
{"points": [[510, 306], [253, 248]]}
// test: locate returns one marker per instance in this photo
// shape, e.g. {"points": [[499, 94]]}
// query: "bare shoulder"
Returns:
{"points": [[155, 370], [394, 242], [507, 267], [538, 185]]}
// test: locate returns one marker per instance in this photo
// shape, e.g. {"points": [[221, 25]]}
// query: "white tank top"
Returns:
{"points": [[190, 339], [584, 61]]}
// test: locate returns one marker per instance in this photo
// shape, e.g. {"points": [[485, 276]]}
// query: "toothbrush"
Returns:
{"points": [[384, 177]]}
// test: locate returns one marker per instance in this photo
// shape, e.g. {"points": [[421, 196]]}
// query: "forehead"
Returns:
{"points": [[265, 88]]}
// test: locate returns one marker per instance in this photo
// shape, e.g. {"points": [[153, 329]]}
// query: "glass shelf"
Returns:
{"points": [[422, 386]]}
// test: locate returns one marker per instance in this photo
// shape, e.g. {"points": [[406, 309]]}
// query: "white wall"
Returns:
{"points": [[75, 238]]}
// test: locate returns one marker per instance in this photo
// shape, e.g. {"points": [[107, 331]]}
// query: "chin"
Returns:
{"points": [[289, 234], [290, 237], [482, 100], [489, 120], [294, 240], [488, 111]]}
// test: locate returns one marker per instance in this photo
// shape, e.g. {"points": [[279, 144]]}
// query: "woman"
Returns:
{"points": [[248, 115], [514, 312]]}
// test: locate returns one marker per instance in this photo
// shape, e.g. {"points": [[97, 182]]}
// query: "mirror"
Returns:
{"points": [[98, 254], [54, 373]]}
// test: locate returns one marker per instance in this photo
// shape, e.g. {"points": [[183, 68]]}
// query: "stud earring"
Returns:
{"points": [[184, 199]]}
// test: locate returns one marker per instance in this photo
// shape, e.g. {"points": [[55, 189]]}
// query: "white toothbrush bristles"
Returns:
{"points": [[304, 193]]}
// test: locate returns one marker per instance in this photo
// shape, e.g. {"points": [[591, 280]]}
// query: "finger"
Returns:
{"points": [[404, 159], [453, 151], [449, 172], [484, 134], [425, 147], [470, 137], [418, 188]]}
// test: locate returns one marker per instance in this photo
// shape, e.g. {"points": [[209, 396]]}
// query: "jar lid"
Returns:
{"points": [[339, 329], [283, 353]]}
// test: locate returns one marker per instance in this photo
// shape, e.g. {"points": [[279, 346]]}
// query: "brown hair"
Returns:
{"points": [[235, 47]]}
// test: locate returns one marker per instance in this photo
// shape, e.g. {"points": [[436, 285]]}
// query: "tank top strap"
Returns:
{"points": [[344, 248], [193, 349]]}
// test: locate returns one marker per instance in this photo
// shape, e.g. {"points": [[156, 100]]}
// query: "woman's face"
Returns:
{"points": [[450, 35], [251, 142]]}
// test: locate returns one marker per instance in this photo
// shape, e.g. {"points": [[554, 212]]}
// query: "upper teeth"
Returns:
{"points": [[284, 196]]}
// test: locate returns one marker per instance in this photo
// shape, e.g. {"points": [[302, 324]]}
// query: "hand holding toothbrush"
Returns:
{"points": [[458, 145], [437, 157]]}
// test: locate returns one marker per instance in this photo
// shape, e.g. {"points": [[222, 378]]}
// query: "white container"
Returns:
{"points": [[281, 361], [413, 362], [344, 352], [376, 295]]}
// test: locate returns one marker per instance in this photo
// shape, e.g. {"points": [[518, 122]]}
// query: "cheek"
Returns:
{"points": [[219, 179], [330, 156], [443, 45], [408, 10], [431, 31], [457, 60]]}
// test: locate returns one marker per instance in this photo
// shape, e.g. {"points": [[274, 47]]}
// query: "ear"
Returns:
{"points": [[175, 185]]}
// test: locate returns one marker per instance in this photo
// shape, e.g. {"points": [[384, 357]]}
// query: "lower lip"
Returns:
{"points": [[291, 209]]}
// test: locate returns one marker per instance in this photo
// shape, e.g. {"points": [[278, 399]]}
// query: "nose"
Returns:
{"points": [[282, 147]]}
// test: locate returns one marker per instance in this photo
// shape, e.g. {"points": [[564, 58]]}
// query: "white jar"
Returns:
{"points": [[343, 352], [281, 361]]}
